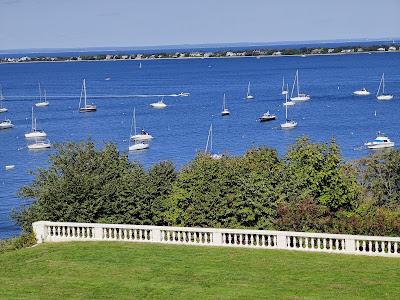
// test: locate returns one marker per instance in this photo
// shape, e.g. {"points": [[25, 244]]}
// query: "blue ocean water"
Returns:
{"points": [[181, 129]]}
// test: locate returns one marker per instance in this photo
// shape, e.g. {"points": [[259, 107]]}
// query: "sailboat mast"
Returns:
{"points": [[211, 139], [84, 90], [134, 120], [32, 125], [248, 89], [40, 93], [297, 76], [224, 103], [383, 83], [294, 83], [286, 106], [283, 83], [379, 88]]}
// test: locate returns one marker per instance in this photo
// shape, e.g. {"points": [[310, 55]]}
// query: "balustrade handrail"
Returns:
{"points": [[46, 231]]}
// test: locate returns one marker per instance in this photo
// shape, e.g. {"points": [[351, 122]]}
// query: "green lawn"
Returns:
{"points": [[104, 270]]}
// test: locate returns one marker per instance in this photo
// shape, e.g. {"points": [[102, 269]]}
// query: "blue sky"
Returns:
{"points": [[118, 23]]}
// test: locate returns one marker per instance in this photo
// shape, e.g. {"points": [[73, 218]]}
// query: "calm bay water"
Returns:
{"points": [[181, 129]]}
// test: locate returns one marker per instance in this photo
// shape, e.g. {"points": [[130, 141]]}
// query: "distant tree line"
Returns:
{"points": [[311, 188]]}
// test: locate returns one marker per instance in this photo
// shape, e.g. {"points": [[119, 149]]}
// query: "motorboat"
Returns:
{"points": [[184, 94], [86, 107], [380, 142], [300, 96], [362, 92], [380, 94], [39, 145], [138, 145], [9, 167], [159, 104], [6, 124], [267, 117]]}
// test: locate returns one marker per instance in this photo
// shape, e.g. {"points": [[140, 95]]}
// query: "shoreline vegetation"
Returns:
{"points": [[309, 189], [258, 53]]}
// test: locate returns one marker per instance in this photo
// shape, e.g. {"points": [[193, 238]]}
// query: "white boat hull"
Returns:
{"points": [[6, 126], [39, 146], [361, 93], [141, 137], [10, 167], [284, 92], [158, 105], [249, 97], [289, 103], [139, 146], [384, 97], [300, 98], [289, 125], [374, 146], [35, 134], [3, 109], [42, 104], [225, 112]]}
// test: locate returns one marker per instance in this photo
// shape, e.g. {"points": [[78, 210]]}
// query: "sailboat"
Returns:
{"points": [[137, 144], [38, 145], [288, 103], [284, 91], [35, 133], [248, 94], [159, 104], [225, 111], [143, 135], [289, 124], [209, 145], [300, 96], [362, 92], [41, 103], [2, 109], [86, 107], [383, 96]]}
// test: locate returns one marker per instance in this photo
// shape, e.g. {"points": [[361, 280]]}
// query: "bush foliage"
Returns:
{"points": [[311, 188]]}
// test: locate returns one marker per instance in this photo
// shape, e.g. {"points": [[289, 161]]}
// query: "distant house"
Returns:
{"points": [[108, 57], [124, 57], [230, 53], [277, 53], [139, 56], [195, 54], [360, 50], [392, 48], [381, 49], [331, 50], [208, 54], [316, 51]]}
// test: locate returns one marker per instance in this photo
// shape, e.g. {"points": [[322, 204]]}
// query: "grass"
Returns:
{"points": [[113, 270]]}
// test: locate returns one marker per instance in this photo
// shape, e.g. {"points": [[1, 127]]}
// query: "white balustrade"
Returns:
{"points": [[263, 239]]}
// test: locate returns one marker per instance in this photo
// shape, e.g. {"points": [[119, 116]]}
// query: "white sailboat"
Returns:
{"points": [[288, 103], [289, 124], [143, 135], [383, 95], [284, 91], [2, 108], [42, 103], [300, 96], [209, 145], [86, 107], [225, 110], [35, 133], [39, 145], [137, 144], [249, 96], [159, 104], [6, 124]]}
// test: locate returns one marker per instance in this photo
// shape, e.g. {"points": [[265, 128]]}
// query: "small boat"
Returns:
{"points": [[209, 145], [284, 91], [42, 103], [6, 124], [107, 78], [225, 110], [39, 145], [300, 96], [159, 104], [86, 107], [184, 94], [362, 92], [383, 95], [249, 96], [289, 124], [35, 133], [288, 103], [9, 167], [2, 109], [137, 144], [380, 142], [267, 117], [143, 135]]}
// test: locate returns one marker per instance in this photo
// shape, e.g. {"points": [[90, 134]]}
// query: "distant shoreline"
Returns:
{"points": [[248, 53]]}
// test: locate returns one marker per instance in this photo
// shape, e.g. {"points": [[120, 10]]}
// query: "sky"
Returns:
{"points": [[28, 24]]}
